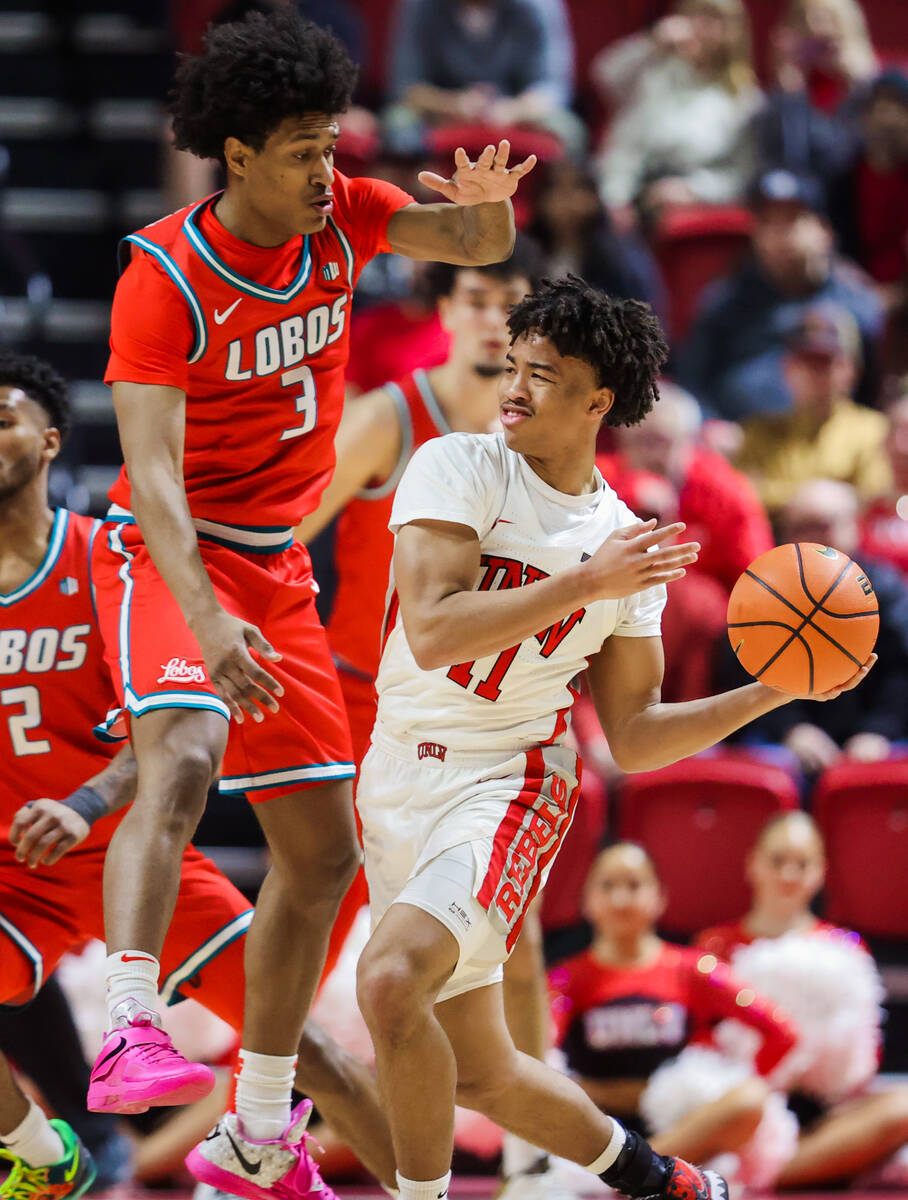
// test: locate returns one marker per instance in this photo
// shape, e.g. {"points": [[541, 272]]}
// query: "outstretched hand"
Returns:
{"points": [[485, 181]]}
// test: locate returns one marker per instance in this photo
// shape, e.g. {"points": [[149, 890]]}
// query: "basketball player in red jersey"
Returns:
{"points": [[229, 335], [53, 679]]}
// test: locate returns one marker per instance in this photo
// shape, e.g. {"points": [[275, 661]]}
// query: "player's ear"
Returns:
{"points": [[52, 444], [603, 399], [236, 156]]}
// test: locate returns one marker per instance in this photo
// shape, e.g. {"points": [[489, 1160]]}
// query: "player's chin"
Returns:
{"points": [[312, 220]]}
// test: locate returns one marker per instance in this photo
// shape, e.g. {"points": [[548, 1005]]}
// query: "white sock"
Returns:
{"points": [[612, 1150], [132, 975], [518, 1156], [263, 1099], [34, 1139], [429, 1189]]}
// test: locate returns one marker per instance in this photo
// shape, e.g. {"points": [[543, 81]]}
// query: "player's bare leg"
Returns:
{"points": [[177, 752], [427, 1053]]}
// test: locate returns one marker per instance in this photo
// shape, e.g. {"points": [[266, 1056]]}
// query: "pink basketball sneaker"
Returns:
{"points": [[138, 1067], [274, 1170]]}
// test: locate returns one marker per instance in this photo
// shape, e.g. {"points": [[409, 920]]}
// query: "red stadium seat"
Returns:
{"points": [[862, 810], [698, 819], [693, 247], [562, 899]]}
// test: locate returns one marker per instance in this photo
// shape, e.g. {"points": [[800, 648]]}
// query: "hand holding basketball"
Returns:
{"points": [[803, 619]]}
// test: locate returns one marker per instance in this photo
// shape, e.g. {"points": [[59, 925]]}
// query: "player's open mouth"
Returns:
{"points": [[324, 204], [513, 414]]}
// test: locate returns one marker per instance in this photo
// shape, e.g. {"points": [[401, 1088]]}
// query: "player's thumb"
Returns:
{"points": [[260, 645]]}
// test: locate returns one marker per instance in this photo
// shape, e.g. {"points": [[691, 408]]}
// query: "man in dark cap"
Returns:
{"points": [[733, 358]]}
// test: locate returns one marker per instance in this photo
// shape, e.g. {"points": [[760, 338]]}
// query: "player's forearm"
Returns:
{"points": [[488, 231], [116, 784], [466, 625], [662, 734], [162, 512]]}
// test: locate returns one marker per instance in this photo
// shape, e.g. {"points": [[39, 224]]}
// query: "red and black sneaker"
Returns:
{"points": [[687, 1182]]}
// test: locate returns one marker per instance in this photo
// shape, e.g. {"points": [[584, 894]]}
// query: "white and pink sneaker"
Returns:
{"points": [[272, 1170], [138, 1067]]}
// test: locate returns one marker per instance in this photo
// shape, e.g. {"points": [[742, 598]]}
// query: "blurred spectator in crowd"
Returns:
{"points": [[826, 979], [822, 62], [632, 1002], [825, 434], [733, 360], [487, 62], [863, 728], [684, 97], [716, 502], [884, 523], [574, 229]]}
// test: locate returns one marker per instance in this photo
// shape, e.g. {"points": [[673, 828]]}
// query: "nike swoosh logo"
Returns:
{"points": [[136, 958], [107, 1057], [828, 552], [249, 1167], [221, 317]]}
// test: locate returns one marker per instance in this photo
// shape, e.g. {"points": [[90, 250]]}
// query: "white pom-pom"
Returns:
{"points": [[699, 1076], [832, 990]]}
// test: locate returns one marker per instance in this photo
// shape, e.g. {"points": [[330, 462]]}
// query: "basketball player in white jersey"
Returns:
{"points": [[515, 566]]}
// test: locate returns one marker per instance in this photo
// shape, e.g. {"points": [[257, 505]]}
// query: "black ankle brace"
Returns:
{"points": [[638, 1170]]}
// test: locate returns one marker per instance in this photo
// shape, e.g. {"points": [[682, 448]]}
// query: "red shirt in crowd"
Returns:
{"points": [[724, 940], [392, 340], [884, 534]]}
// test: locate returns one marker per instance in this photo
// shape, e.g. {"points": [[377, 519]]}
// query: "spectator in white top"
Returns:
{"points": [[684, 97]]}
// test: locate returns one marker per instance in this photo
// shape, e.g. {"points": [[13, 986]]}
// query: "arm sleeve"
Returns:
{"points": [[719, 994], [451, 478], [151, 330], [370, 205]]}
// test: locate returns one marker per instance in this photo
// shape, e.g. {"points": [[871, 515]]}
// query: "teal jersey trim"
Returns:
{"points": [[347, 249], [31, 952], [195, 308], [202, 955], [54, 547], [240, 282]]}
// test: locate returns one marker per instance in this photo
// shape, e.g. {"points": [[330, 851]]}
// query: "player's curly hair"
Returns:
{"points": [[621, 339], [41, 383], [252, 75]]}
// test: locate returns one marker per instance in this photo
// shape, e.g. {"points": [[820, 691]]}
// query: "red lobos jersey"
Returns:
{"points": [[54, 685], [363, 542], [261, 355]]}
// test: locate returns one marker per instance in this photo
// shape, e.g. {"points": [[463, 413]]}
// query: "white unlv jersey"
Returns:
{"points": [[527, 530]]}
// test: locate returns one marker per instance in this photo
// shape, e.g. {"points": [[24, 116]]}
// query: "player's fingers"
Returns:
{"points": [[56, 852], [42, 845], [229, 692], [251, 671], [487, 157], [461, 158], [859, 675], [672, 556], [258, 695], [30, 836], [21, 821], [661, 534], [501, 154], [664, 577], [437, 183], [261, 645], [525, 167], [626, 532]]}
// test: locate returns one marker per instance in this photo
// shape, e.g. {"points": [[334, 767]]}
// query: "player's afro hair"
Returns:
{"points": [[40, 382], [252, 75], [621, 340]]}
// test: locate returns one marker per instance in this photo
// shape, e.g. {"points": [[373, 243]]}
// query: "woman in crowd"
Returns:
{"points": [[825, 977], [683, 98], [632, 1001]]}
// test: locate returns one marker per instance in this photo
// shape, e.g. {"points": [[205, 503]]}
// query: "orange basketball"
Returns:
{"points": [[803, 618]]}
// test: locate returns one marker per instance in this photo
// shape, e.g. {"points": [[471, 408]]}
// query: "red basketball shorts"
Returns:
{"points": [[156, 662], [51, 910]]}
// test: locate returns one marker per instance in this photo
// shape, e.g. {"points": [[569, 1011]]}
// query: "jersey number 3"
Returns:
{"points": [[29, 698], [306, 401]]}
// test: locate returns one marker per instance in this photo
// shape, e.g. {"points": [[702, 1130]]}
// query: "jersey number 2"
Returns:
{"points": [[306, 401], [29, 718]]}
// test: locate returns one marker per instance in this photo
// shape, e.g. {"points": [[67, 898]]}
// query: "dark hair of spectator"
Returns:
{"points": [[252, 75], [621, 340], [526, 262], [41, 383]]}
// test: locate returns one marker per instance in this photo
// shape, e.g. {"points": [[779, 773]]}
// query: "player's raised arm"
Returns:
{"points": [[436, 565], [477, 225], [645, 734], [367, 446], [152, 421], [44, 830]]}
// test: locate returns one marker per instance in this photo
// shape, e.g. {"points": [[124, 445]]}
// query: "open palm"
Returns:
{"points": [[485, 181]]}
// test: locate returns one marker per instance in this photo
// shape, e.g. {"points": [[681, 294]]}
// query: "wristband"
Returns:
{"points": [[88, 803]]}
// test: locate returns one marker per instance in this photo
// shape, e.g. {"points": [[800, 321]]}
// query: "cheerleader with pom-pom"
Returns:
{"points": [[632, 1001], [826, 978]]}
